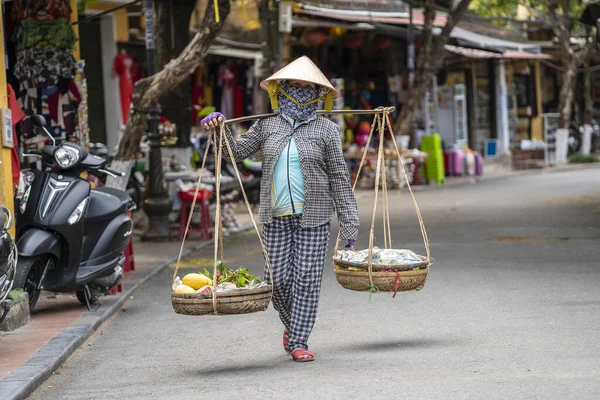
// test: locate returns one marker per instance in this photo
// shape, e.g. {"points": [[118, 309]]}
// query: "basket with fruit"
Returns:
{"points": [[232, 292]]}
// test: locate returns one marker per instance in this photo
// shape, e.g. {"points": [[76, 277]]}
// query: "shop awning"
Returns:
{"points": [[225, 51], [524, 55], [465, 38], [471, 53], [508, 54], [394, 18]]}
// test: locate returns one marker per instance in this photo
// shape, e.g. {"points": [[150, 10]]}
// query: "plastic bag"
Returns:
{"points": [[177, 283]]}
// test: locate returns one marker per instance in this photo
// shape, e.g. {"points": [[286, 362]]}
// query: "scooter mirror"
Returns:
{"points": [[39, 120]]}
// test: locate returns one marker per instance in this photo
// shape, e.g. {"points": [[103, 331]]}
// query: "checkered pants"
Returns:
{"points": [[297, 257]]}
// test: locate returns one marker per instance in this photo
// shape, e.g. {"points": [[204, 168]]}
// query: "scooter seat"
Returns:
{"points": [[106, 203]]}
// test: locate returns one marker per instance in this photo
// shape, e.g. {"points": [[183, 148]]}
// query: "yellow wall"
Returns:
{"points": [[537, 122], [74, 17], [6, 186], [121, 19]]}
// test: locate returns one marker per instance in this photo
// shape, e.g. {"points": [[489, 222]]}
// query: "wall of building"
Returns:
{"points": [[6, 185]]}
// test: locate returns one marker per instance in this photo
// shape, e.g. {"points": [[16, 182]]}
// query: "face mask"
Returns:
{"points": [[298, 107]]}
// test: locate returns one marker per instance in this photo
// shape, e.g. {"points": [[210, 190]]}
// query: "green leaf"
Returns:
{"points": [[241, 281], [255, 281], [15, 294], [205, 272], [222, 268]]}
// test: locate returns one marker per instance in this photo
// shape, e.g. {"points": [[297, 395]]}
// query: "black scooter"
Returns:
{"points": [[8, 260], [71, 238]]}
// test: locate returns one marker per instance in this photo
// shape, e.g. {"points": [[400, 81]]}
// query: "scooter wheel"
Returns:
{"points": [[28, 275]]}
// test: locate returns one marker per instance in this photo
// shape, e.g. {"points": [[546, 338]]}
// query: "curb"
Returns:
{"points": [[28, 377], [478, 180]]}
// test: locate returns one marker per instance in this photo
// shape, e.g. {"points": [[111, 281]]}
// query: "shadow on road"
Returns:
{"points": [[262, 366], [398, 344]]}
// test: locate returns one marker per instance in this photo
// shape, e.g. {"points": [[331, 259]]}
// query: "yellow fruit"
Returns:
{"points": [[196, 281], [184, 289]]}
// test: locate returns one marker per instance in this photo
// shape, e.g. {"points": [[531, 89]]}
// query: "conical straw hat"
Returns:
{"points": [[302, 69]]}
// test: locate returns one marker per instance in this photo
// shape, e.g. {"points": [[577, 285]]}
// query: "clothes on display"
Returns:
{"points": [[17, 116], [41, 10], [44, 66], [227, 85], [45, 35], [124, 69]]}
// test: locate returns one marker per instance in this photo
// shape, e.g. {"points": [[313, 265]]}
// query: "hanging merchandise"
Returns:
{"points": [[45, 35], [41, 10], [45, 67], [17, 116], [82, 110], [123, 68], [226, 77]]}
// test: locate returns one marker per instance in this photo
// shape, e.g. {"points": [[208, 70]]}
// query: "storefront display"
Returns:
{"points": [[45, 68], [227, 84]]}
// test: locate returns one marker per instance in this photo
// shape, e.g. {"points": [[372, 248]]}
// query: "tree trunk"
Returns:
{"points": [[157, 87], [172, 35], [566, 93], [429, 60], [588, 114]]}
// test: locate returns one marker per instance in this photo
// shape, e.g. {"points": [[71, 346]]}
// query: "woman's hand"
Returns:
{"points": [[350, 244], [212, 120]]}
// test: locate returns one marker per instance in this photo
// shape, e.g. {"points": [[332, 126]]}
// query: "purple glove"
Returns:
{"points": [[211, 119], [350, 244]]}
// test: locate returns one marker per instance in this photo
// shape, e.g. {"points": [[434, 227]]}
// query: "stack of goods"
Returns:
{"points": [[401, 257], [168, 132], [45, 67], [392, 270], [463, 162], [432, 145]]}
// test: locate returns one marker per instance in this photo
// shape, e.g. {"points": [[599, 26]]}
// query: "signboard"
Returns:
{"points": [[7, 128], [285, 17], [460, 114]]}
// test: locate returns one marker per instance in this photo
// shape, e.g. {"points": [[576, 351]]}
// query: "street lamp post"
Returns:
{"points": [[157, 205]]}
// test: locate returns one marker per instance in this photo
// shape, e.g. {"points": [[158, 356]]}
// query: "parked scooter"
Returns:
{"points": [[8, 261], [69, 237]]}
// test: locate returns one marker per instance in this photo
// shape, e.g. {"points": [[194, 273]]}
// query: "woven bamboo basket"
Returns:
{"points": [[385, 281], [228, 303]]}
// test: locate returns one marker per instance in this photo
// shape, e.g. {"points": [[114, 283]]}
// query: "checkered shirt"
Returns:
{"points": [[324, 170]]}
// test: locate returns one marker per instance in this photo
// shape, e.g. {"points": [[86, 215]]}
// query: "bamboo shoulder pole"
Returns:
{"points": [[379, 110]]}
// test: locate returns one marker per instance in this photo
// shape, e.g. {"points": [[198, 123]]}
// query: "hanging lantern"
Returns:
{"points": [[352, 42], [383, 42], [337, 31], [314, 37]]}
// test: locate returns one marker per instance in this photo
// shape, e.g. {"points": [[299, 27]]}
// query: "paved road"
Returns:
{"points": [[511, 311]]}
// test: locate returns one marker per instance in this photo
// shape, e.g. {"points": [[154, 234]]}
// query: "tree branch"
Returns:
{"points": [[156, 88]]}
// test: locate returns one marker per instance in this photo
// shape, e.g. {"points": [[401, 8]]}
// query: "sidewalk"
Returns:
{"points": [[60, 324]]}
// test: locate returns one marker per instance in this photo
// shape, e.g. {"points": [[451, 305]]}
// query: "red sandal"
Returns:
{"points": [[286, 342], [301, 355]]}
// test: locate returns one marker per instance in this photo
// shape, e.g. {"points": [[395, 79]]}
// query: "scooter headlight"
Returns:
{"points": [[66, 156], [24, 199], [77, 213]]}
